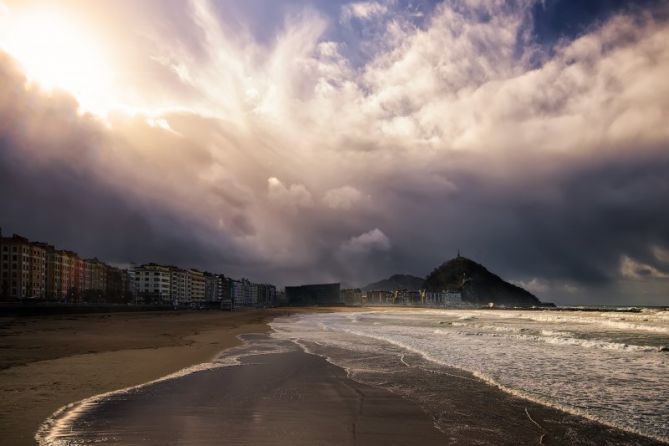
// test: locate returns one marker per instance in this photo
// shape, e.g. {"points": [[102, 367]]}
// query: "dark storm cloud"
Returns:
{"points": [[309, 162], [573, 225]]}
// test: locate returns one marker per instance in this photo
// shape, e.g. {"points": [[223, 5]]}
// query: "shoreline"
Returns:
{"points": [[30, 399], [286, 397], [51, 362], [289, 396]]}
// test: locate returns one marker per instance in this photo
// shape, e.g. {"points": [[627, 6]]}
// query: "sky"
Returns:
{"points": [[308, 141]]}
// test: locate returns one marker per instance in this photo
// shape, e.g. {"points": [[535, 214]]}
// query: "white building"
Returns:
{"points": [[178, 286], [153, 283]]}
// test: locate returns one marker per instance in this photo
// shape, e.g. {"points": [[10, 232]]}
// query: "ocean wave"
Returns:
{"points": [[580, 374], [555, 337], [590, 343], [351, 372], [565, 408], [631, 323]]}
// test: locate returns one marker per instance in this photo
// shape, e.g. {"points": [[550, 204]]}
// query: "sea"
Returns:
{"points": [[610, 365]]}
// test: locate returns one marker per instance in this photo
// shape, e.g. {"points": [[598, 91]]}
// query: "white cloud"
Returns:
{"points": [[374, 240], [294, 195], [343, 198], [633, 269], [363, 10], [545, 287], [535, 285], [661, 254]]}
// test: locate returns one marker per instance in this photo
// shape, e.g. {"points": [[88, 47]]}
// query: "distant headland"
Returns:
{"points": [[462, 277]]}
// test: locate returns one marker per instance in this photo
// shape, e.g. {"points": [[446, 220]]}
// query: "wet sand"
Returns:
{"points": [[283, 398], [289, 397], [48, 362]]}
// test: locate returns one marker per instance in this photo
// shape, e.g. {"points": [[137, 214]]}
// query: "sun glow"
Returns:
{"points": [[58, 53]]}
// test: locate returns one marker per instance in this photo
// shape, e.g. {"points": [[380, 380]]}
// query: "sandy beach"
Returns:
{"points": [[286, 398], [48, 362], [283, 398]]}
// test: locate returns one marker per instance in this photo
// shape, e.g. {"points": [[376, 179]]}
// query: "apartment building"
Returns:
{"points": [[22, 268], [266, 295], [179, 286], [236, 292], [196, 286], [152, 283], [95, 277], [211, 293], [39, 270]]}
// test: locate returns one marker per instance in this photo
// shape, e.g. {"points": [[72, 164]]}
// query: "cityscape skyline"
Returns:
{"points": [[38, 271]]}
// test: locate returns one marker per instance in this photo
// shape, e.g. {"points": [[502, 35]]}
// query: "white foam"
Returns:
{"points": [[594, 376]]}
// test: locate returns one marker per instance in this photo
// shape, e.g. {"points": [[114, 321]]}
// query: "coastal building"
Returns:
{"points": [[352, 296], [32, 270], [444, 298], [211, 293], [281, 298], [116, 285], [179, 286], [249, 294], [195, 287], [317, 294], [223, 288], [129, 284], [152, 282], [378, 297], [236, 292], [22, 268], [406, 297], [94, 287], [65, 275], [78, 270], [266, 295], [57, 274]]}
